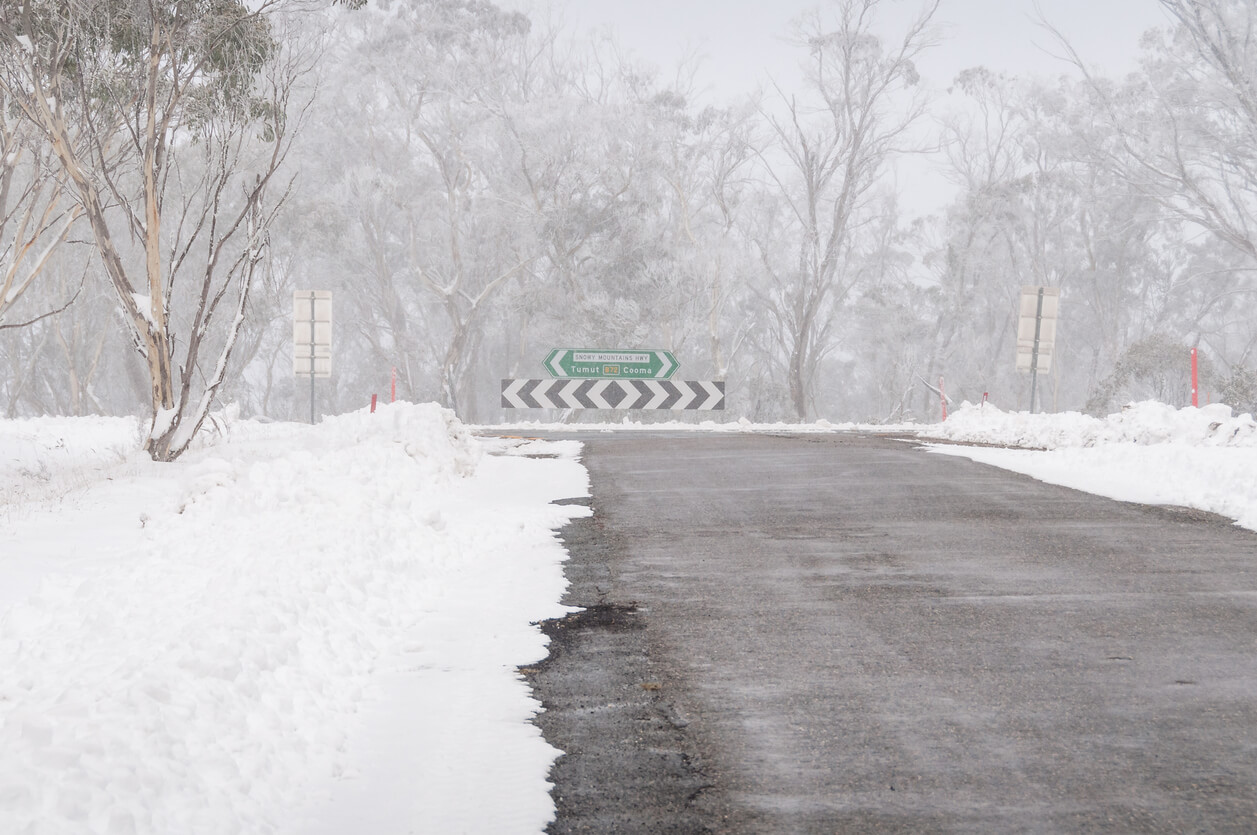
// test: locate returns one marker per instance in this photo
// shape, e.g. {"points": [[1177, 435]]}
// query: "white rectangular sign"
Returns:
{"points": [[312, 333], [1028, 312]]}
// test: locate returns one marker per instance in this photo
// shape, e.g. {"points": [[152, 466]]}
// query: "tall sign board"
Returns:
{"points": [[1038, 310], [312, 336]]}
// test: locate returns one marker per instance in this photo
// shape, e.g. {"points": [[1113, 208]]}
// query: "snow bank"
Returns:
{"points": [[210, 642], [1149, 452], [1148, 422]]}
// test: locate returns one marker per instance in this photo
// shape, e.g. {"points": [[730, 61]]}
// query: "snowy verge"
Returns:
{"points": [[225, 644], [1144, 423], [43, 459], [1150, 453]]}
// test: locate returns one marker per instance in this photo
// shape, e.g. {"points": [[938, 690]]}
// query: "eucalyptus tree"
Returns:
{"points": [[726, 187], [420, 220], [829, 150], [1022, 219], [169, 120], [35, 213], [1185, 125], [1037, 206], [975, 289], [634, 198], [706, 164], [881, 362], [627, 252], [1194, 151], [1180, 135], [588, 151]]}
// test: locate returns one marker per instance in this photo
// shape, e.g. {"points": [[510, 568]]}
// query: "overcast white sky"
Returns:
{"points": [[743, 41]]}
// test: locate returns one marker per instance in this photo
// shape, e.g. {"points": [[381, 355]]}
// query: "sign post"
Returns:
{"points": [[1195, 381], [312, 336], [1039, 308]]}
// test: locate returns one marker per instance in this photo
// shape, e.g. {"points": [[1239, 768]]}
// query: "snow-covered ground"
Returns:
{"points": [[316, 630], [1149, 452], [293, 629]]}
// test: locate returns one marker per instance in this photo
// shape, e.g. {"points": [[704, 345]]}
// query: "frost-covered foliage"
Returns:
{"points": [[1240, 389], [1153, 368]]}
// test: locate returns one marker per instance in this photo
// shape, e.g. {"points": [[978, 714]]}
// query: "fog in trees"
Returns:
{"points": [[477, 186]]}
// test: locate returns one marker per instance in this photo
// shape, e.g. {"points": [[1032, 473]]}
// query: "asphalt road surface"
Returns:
{"points": [[835, 634]]}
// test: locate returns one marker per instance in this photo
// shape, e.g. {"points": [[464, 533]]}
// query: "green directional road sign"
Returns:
{"points": [[634, 364]]}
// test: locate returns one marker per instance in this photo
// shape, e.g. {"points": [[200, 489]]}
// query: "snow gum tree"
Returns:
{"points": [[35, 215], [1180, 134], [168, 120], [1038, 207], [1190, 143], [422, 217], [828, 153]]}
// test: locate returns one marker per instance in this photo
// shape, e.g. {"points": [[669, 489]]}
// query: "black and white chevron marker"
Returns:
{"points": [[704, 395]]}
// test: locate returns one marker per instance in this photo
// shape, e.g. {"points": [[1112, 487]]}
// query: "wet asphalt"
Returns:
{"points": [[844, 633]]}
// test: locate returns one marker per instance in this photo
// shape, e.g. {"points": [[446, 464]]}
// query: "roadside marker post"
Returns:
{"points": [[1195, 381], [942, 396]]}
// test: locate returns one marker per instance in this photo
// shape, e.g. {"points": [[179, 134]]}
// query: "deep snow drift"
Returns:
{"points": [[293, 629]]}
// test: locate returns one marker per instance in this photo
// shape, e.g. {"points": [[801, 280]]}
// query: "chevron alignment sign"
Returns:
{"points": [[703, 395]]}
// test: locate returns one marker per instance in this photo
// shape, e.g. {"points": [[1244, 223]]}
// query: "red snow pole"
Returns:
{"points": [[392, 397], [1195, 381], [373, 404], [942, 398], [984, 400]]}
